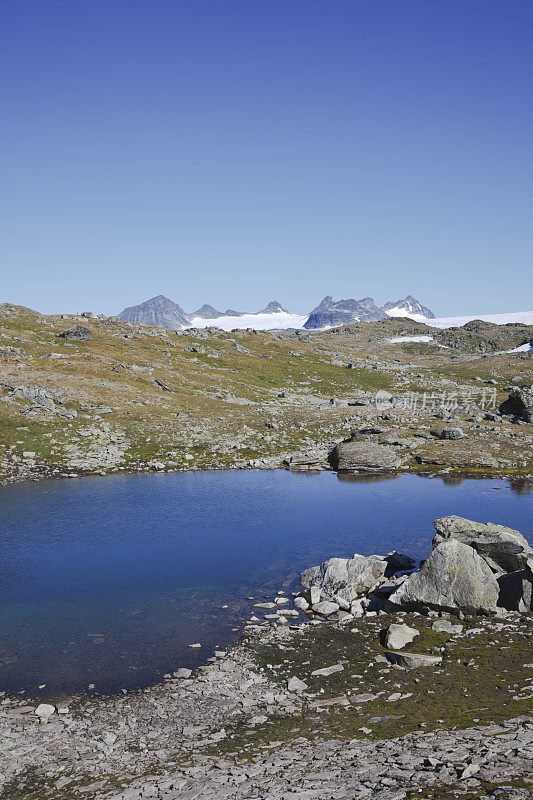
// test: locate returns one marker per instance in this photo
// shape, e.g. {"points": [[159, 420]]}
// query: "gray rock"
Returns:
{"points": [[397, 636], [452, 433], [413, 660], [502, 548], [35, 394], [454, 577], [296, 685], [182, 673], [519, 403], [45, 710], [325, 671], [365, 456], [78, 333], [346, 577], [445, 626], [301, 604], [325, 608], [239, 348]]}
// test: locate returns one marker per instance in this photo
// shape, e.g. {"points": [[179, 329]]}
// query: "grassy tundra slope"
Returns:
{"points": [[136, 397]]}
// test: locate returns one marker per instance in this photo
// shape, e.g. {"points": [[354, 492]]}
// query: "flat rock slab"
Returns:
{"points": [[328, 670], [341, 700], [413, 660]]}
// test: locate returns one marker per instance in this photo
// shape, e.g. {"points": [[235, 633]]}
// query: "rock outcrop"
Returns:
{"points": [[453, 578], [519, 403], [77, 334], [345, 578], [504, 549], [364, 456]]}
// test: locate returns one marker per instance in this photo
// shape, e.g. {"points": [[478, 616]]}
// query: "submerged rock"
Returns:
{"points": [[502, 548], [454, 577]]}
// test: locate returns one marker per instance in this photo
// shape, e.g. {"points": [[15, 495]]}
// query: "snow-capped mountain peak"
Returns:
{"points": [[408, 307]]}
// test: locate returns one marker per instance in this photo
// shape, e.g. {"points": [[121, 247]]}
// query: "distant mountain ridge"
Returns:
{"points": [[158, 311], [409, 306], [330, 313], [162, 312]]}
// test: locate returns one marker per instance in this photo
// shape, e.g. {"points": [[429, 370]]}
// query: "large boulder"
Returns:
{"points": [[453, 578], [365, 456], [345, 577], [504, 549], [519, 403], [78, 333]]}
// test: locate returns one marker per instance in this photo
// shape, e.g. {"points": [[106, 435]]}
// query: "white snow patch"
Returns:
{"points": [[261, 322], [525, 317], [401, 312], [524, 348], [411, 339]]}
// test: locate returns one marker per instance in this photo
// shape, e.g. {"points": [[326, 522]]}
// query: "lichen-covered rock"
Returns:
{"points": [[502, 548], [345, 577], [519, 403], [452, 433], [453, 578], [365, 456]]}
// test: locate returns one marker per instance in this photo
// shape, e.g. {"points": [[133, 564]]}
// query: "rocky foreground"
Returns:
{"points": [[402, 683]]}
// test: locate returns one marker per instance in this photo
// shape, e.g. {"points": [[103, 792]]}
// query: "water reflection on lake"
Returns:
{"points": [[108, 580]]}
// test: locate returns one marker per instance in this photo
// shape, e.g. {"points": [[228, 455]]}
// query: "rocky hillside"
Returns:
{"points": [[82, 395]]}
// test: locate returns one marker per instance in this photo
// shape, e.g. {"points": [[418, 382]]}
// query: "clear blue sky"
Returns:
{"points": [[230, 152]]}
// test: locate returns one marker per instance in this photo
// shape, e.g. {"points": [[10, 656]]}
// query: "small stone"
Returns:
{"points": [[183, 672], [397, 636], [301, 604], [45, 710], [445, 626], [325, 608], [469, 770], [296, 685]]}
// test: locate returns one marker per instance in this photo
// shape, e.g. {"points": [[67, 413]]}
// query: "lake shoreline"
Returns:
{"points": [[241, 701]]}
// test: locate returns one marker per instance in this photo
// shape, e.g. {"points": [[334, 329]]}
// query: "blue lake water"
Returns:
{"points": [[108, 580]]}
